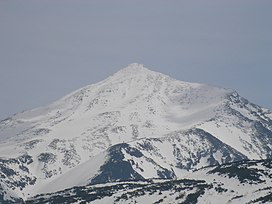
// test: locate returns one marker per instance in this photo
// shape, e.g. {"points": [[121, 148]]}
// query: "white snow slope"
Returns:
{"points": [[176, 126]]}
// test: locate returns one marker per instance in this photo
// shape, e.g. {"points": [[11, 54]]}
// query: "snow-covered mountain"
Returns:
{"points": [[136, 124]]}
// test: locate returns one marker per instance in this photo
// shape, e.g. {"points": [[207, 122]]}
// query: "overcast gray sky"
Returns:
{"points": [[50, 48]]}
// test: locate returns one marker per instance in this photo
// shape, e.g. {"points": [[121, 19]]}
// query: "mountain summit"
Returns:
{"points": [[134, 68], [136, 124]]}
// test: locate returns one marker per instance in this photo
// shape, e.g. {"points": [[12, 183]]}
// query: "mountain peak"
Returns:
{"points": [[134, 68]]}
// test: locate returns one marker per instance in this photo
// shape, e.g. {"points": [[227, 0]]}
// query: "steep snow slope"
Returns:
{"points": [[175, 125]]}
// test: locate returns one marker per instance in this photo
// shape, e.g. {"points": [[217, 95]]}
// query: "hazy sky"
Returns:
{"points": [[50, 48]]}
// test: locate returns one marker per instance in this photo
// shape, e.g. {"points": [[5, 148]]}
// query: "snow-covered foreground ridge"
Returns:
{"points": [[136, 124], [239, 182]]}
